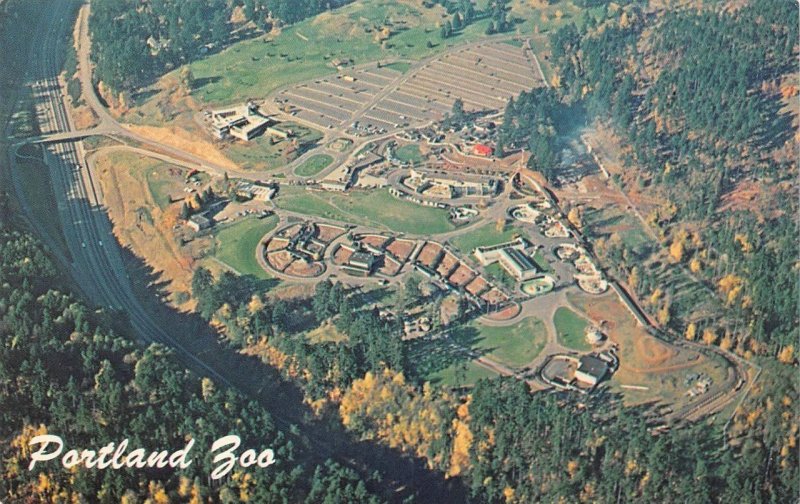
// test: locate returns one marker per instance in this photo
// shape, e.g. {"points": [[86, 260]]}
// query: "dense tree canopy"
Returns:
{"points": [[64, 372], [136, 41], [695, 94]]}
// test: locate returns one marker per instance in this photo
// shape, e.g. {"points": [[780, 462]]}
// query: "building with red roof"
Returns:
{"points": [[482, 150]]}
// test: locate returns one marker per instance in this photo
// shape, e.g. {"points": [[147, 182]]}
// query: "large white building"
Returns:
{"points": [[511, 256], [243, 122], [489, 254]]}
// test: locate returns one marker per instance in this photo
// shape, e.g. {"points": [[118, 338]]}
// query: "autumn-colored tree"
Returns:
{"points": [[462, 441], [186, 80], [633, 277], [786, 355], [731, 285], [157, 493], [575, 217], [655, 296], [691, 331], [664, 314], [676, 250], [384, 406], [743, 242], [255, 305], [709, 336]]}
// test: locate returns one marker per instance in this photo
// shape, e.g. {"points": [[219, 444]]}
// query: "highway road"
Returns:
{"points": [[97, 267], [97, 264]]}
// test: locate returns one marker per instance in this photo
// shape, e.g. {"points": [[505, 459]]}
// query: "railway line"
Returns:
{"points": [[98, 269]]}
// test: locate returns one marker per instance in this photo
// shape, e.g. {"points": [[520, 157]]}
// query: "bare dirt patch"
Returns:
{"points": [[138, 221], [182, 139]]}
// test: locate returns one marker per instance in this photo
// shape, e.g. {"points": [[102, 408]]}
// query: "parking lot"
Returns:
{"points": [[484, 76], [332, 102]]}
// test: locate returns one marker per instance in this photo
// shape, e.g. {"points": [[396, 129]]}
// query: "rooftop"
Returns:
{"points": [[520, 260], [592, 366]]}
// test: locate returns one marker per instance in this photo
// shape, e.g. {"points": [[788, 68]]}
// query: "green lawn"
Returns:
{"points": [[514, 346], [303, 51], [496, 273], [313, 165], [236, 245], [483, 236], [400, 66], [374, 208], [159, 183], [570, 328], [615, 220], [541, 262], [459, 375], [439, 362], [409, 154], [162, 179]]}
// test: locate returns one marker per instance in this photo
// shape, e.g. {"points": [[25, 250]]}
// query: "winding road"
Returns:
{"points": [[96, 263], [97, 267]]}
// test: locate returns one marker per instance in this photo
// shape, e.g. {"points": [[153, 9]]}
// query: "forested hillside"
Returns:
{"points": [[135, 42], [507, 444], [63, 371], [700, 102]]}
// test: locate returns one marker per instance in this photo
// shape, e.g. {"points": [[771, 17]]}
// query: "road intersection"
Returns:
{"points": [[96, 263]]}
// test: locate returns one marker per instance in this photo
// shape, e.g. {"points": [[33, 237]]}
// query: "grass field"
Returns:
{"points": [[541, 262], [327, 332], [462, 374], [515, 345], [236, 245], [159, 186], [409, 154], [255, 67], [483, 236], [440, 362], [375, 208], [496, 273], [400, 66], [570, 329], [313, 165], [615, 220], [262, 154], [162, 179]]}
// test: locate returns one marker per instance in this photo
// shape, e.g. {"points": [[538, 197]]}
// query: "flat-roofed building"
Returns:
{"points": [[199, 222], [363, 261], [489, 254], [255, 191], [243, 122], [591, 370], [517, 264]]}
